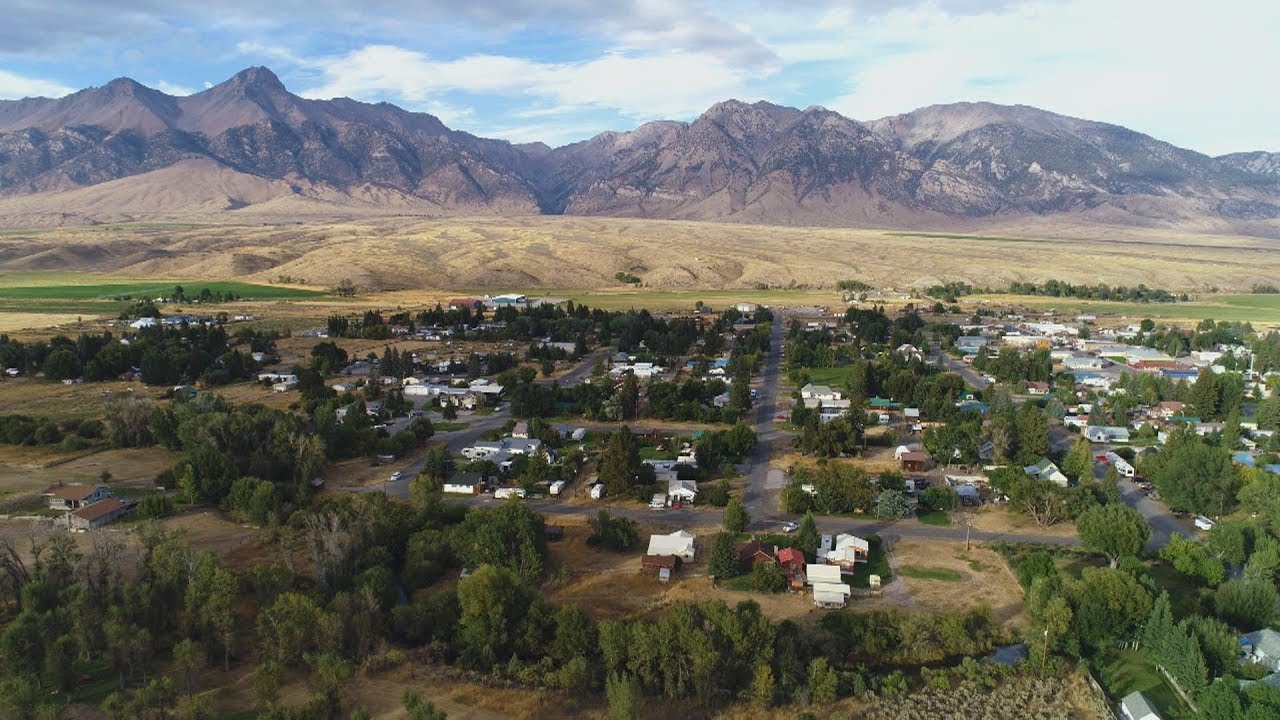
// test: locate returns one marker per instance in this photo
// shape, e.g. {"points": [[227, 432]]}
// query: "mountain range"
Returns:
{"points": [[127, 152]]}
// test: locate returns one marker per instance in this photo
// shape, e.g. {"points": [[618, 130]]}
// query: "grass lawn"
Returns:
{"points": [[877, 564], [1259, 309], [1124, 671], [920, 572], [832, 376], [90, 287], [934, 517], [648, 452]]}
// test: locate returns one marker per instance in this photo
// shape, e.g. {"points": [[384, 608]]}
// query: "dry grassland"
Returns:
{"points": [[574, 252], [994, 519]]}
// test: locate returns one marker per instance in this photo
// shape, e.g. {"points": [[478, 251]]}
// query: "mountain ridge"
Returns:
{"points": [[741, 162]]}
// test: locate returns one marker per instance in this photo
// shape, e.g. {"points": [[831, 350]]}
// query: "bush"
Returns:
{"points": [[74, 443]]}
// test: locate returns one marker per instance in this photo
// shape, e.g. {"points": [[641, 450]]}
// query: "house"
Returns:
{"points": [[754, 553], [98, 514], [1262, 647], [1106, 434], [820, 393], [1046, 470], [914, 461], [460, 303], [1134, 706], [75, 496], [1037, 388], [679, 543], [792, 562], [970, 344], [848, 552], [685, 491]]}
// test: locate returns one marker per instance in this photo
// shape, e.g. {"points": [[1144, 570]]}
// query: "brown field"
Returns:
{"points": [[25, 471], [985, 579], [995, 519], [575, 252], [41, 398]]}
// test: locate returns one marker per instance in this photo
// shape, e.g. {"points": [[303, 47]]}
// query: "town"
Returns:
{"points": [[879, 503]]}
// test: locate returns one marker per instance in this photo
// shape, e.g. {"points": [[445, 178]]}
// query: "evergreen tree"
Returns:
{"points": [[724, 561], [807, 537], [736, 517]]}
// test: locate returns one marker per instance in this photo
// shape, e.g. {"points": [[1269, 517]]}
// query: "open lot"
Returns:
{"points": [[25, 471], [1263, 310]]}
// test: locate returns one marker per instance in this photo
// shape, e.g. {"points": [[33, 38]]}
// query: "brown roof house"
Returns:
{"points": [[100, 513], [914, 461], [74, 496]]}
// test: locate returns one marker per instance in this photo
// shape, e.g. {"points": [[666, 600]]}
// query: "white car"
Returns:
{"points": [[790, 527], [395, 476], [1203, 523]]}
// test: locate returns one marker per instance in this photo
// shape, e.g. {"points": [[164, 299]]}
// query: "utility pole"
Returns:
{"points": [[1044, 659], [968, 526]]}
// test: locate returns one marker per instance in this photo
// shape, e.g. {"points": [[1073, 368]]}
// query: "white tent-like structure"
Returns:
{"points": [[678, 543]]}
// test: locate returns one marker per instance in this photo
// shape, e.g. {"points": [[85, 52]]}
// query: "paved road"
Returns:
{"points": [[767, 431]]}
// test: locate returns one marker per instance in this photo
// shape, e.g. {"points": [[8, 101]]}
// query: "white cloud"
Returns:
{"points": [[207, 84], [641, 86], [13, 85], [169, 88]]}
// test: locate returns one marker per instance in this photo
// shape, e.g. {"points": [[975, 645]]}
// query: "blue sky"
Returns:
{"points": [[1201, 75]]}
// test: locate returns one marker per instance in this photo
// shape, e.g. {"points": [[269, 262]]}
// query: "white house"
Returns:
{"points": [[684, 490], [1106, 434], [1046, 470], [1134, 706], [1262, 647], [678, 543], [1122, 466], [821, 393], [849, 550]]}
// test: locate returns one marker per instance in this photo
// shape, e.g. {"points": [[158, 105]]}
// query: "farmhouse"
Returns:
{"points": [[754, 553], [1104, 434], [1046, 470], [98, 514], [74, 497], [848, 552], [679, 543]]}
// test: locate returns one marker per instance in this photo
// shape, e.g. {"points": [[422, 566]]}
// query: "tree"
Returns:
{"points": [[1218, 643], [625, 697], [807, 537], [629, 397], [1109, 606], [619, 461], [940, 498], [824, 684], [740, 393], [763, 686], [188, 661], [511, 536], [497, 610], [1204, 396], [1033, 434], [1193, 560], [1246, 604], [1114, 530], [62, 364], [618, 534], [1038, 563], [892, 504], [1231, 540], [767, 577], [736, 517], [723, 563], [1078, 463]]}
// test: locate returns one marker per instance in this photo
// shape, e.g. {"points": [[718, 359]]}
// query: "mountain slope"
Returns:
{"points": [[758, 162]]}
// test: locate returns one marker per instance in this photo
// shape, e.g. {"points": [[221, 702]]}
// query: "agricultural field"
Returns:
{"points": [[1262, 310]]}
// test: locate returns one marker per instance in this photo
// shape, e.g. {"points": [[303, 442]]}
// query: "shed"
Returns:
{"points": [[653, 564], [915, 461], [1134, 706], [829, 600]]}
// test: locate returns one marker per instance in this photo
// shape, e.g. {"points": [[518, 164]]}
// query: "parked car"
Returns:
{"points": [[1203, 523], [396, 476], [790, 527]]}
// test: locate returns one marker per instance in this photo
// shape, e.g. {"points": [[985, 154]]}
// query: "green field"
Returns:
{"points": [[1125, 671], [832, 376], [1261, 310], [116, 290], [930, 573]]}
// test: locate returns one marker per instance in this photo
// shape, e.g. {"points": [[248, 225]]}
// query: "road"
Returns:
{"points": [[1164, 524], [767, 431]]}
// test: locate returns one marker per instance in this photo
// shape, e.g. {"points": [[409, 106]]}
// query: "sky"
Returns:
{"points": [[1200, 75]]}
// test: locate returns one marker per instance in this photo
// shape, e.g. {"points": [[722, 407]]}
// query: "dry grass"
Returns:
{"points": [[39, 397], [995, 519], [575, 252], [25, 471], [984, 579]]}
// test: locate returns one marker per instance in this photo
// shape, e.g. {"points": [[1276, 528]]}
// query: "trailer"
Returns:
{"points": [[505, 493], [1122, 466], [556, 487]]}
